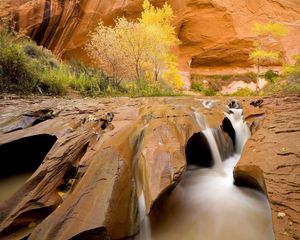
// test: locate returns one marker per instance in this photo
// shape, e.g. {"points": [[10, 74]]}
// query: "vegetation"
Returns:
{"points": [[261, 54], [27, 68], [271, 76], [288, 83], [138, 50], [243, 92], [199, 87]]}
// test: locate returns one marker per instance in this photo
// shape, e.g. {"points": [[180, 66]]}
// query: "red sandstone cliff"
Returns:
{"points": [[214, 34]]}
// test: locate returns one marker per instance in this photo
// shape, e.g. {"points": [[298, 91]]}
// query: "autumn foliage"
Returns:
{"points": [[138, 50], [262, 54]]}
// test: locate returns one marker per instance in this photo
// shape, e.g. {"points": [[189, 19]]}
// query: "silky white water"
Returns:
{"points": [[206, 205]]}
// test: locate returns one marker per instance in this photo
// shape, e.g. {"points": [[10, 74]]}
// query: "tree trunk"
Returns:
{"points": [[156, 73], [257, 75]]}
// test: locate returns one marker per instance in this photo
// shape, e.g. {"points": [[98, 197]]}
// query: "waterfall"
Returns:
{"points": [[206, 205], [242, 131], [218, 165], [145, 228]]}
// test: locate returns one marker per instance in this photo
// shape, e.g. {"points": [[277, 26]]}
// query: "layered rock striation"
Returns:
{"points": [[90, 171], [271, 160]]}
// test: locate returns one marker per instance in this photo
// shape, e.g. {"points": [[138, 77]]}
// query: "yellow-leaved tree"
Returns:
{"points": [[158, 22], [133, 49], [261, 54], [105, 49]]}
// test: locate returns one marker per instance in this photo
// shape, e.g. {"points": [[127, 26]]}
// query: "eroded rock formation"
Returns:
{"points": [[90, 180], [214, 34], [271, 161]]}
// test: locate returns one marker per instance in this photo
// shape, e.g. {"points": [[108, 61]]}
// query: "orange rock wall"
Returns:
{"points": [[215, 34]]}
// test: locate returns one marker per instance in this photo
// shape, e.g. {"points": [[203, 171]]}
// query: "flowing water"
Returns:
{"points": [[206, 205]]}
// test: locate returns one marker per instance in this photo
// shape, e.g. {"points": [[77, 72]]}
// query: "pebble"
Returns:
{"points": [[281, 215]]}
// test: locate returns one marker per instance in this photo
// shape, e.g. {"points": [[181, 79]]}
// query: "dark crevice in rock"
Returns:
{"points": [[25, 154], [73, 174], [39, 36], [27, 120], [69, 179], [21, 222], [234, 104], [245, 180], [198, 152], [257, 103], [93, 234], [228, 128]]}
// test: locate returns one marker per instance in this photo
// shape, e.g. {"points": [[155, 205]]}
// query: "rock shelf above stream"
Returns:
{"points": [[87, 184]]}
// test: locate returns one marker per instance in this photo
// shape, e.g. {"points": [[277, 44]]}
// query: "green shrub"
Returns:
{"points": [[223, 77], [149, 89], [251, 75], [28, 68], [283, 86], [288, 83], [17, 73], [91, 81], [198, 87], [243, 92], [270, 75], [42, 55]]}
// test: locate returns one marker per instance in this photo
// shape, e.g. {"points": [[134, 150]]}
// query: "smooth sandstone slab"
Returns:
{"points": [[89, 182], [271, 160]]}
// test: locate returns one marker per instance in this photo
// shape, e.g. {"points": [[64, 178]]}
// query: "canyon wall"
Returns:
{"points": [[215, 34]]}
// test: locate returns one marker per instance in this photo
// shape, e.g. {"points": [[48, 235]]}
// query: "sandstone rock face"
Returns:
{"points": [[270, 161], [87, 180], [214, 34]]}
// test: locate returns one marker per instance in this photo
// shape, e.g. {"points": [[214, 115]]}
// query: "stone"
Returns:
{"points": [[90, 171], [198, 151], [281, 215], [270, 162], [87, 183]]}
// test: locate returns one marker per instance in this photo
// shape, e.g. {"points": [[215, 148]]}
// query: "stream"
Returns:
{"points": [[206, 205]]}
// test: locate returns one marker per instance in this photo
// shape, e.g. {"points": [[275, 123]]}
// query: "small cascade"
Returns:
{"points": [[200, 120], [242, 131], [145, 227], [225, 146], [206, 205], [218, 165]]}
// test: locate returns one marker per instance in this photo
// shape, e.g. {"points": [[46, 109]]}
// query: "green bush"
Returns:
{"points": [[283, 86], [271, 75], [198, 87], [251, 75], [28, 68], [288, 83], [17, 73], [90, 81], [243, 92], [223, 77], [149, 89]]}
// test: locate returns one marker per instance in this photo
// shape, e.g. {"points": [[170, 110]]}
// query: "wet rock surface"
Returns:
{"points": [[271, 162], [89, 181], [88, 184]]}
